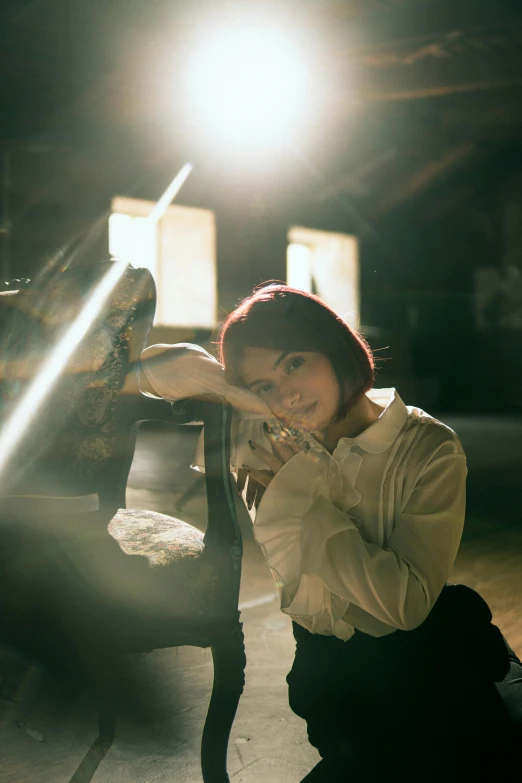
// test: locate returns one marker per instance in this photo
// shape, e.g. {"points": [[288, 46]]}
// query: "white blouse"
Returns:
{"points": [[364, 538]]}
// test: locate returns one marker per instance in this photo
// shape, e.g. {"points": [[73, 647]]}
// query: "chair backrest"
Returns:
{"points": [[223, 539], [81, 439]]}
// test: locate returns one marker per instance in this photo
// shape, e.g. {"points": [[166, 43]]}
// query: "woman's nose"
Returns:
{"points": [[290, 398]]}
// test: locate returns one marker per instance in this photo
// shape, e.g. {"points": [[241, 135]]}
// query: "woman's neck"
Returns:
{"points": [[363, 413]]}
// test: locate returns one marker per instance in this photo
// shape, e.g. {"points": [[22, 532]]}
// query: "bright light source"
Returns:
{"points": [[120, 232], [248, 86], [134, 239], [180, 253], [328, 263], [299, 266]]}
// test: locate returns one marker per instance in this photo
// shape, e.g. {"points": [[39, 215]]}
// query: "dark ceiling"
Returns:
{"points": [[416, 91]]}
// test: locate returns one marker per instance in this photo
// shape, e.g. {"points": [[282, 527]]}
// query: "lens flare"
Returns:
{"points": [[43, 382], [27, 408], [247, 85]]}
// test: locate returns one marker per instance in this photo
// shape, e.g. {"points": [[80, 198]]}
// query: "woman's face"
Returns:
{"points": [[300, 387]]}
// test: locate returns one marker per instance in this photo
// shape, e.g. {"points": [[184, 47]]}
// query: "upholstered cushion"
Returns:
{"points": [[179, 580], [143, 582], [162, 539]]}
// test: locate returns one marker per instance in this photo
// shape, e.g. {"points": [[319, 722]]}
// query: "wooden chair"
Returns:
{"points": [[114, 581]]}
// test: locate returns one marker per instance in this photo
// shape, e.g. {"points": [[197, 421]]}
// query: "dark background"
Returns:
{"points": [[417, 149]]}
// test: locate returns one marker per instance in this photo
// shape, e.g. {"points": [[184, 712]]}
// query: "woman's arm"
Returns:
{"points": [[399, 583], [180, 371]]}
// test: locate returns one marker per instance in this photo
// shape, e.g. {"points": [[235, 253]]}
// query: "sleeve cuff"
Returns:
{"points": [[278, 522], [321, 522], [294, 488]]}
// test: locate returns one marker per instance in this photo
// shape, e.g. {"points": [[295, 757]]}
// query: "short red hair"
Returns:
{"points": [[278, 317]]}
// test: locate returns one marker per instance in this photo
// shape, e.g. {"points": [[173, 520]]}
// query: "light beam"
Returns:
{"points": [[25, 411]]}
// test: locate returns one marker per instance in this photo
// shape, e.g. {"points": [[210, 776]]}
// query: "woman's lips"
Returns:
{"points": [[299, 419], [306, 412]]}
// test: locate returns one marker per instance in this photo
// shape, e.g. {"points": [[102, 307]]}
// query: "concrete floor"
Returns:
{"points": [[166, 693]]}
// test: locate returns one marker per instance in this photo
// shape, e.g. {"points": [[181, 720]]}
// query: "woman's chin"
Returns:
{"points": [[314, 424], [315, 428]]}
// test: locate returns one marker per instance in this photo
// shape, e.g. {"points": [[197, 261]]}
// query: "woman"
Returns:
{"points": [[358, 504]]}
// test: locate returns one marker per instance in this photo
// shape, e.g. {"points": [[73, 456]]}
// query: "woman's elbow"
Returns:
{"points": [[416, 606]]}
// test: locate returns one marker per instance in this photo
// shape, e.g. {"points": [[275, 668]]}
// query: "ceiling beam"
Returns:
{"points": [[422, 178], [440, 91]]}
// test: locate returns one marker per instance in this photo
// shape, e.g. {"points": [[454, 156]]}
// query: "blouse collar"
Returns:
{"points": [[380, 435]]}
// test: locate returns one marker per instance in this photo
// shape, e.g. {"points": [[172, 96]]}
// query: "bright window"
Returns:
{"points": [[326, 263], [180, 254]]}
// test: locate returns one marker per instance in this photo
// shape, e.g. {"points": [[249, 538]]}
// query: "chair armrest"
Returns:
{"points": [[187, 412], [194, 410], [152, 408]]}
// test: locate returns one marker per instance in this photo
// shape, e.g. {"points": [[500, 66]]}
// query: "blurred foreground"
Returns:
{"points": [[165, 694]]}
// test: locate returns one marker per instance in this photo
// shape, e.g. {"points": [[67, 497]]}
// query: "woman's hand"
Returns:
{"points": [[285, 444], [254, 489]]}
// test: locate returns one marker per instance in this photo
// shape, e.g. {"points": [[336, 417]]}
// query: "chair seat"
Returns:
{"points": [[163, 558], [178, 582], [162, 539], [143, 581]]}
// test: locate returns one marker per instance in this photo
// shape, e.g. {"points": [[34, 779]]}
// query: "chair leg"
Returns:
{"points": [[107, 711], [228, 653], [107, 718], [104, 666], [28, 692]]}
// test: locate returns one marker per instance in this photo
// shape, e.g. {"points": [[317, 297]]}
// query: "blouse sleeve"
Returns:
{"points": [[184, 370], [397, 584], [176, 372]]}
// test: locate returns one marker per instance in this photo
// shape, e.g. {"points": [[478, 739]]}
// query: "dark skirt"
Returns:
{"points": [[439, 703]]}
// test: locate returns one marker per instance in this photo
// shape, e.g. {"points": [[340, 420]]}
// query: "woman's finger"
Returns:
{"points": [[297, 437], [263, 477], [251, 492], [242, 476], [259, 494], [274, 462], [283, 446]]}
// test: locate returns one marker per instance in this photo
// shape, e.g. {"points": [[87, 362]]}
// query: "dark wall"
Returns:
{"points": [[466, 353], [418, 263]]}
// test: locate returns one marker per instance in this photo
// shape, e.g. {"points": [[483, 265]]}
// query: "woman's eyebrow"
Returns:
{"points": [[280, 359], [277, 362]]}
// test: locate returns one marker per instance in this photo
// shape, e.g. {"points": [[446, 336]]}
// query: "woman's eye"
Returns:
{"points": [[294, 363], [265, 389]]}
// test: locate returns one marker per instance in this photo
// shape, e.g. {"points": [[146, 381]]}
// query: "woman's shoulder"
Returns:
{"points": [[414, 431], [428, 443], [435, 437]]}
